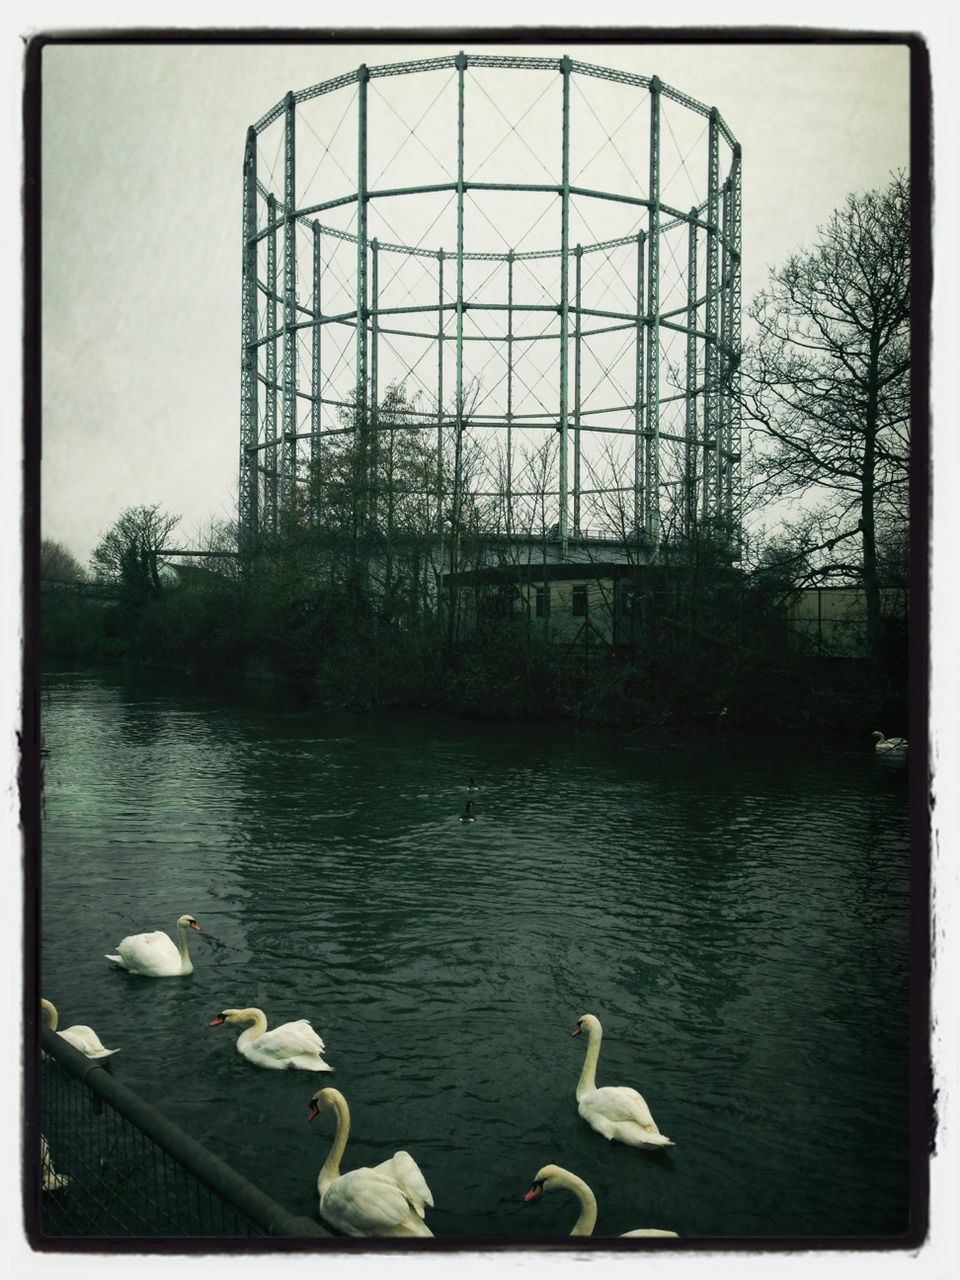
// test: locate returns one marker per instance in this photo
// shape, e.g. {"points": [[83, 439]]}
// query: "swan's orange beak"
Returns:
{"points": [[533, 1192], [194, 925], [577, 1030], [314, 1111], [218, 1021]]}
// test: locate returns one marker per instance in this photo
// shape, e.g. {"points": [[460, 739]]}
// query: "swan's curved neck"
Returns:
{"points": [[331, 1166], [588, 1204], [51, 1013], [186, 963], [257, 1017], [588, 1076]]}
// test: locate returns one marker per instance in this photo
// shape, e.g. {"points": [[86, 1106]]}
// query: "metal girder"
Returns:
{"points": [[711, 408], [564, 301], [690, 450], [316, 363], [248, 516], [374, 377], [461, 63], [271, 470], [361, 334], [723, 370], [494, 61], [577, 355], [532, 255], [288, 476], [509, 391], [651, 470], [733, 443], [638, 366]]}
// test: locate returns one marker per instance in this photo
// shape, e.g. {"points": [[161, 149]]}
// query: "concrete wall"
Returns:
{"points": [[561, 625], [832, 621]]}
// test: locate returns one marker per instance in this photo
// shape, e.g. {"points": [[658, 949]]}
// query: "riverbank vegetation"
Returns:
{"points": [[708, 647]]}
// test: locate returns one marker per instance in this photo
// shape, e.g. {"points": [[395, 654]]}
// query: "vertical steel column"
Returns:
{"points": [[710, 405], [723, 364], [316, 372], [461, 64], [565, 65], [510, 392], [363, 76], [440, 315], [270, 464], [639, 499], [289, 473], [248, 514], [652, 449], [374, 380], [577, 340], [734, 512], [690, 430]]}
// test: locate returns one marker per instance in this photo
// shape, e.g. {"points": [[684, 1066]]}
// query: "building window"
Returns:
{"points": [[580, 602], [543, 602]]}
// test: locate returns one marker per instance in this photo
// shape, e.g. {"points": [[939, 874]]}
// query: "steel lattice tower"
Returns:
{"points": [[617, 355]]}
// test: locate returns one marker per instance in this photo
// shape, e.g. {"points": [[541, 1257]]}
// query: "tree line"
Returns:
{"points": [[354, 586]]}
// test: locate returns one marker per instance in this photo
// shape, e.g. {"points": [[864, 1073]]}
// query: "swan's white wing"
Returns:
{"points": [[86, 1040], [618, 1103], [363, 1202], [149, 952], [290, 1040], [405, 1171]]}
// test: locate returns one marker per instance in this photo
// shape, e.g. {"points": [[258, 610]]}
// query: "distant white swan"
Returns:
{"points": [[551, 1176], [884, 745], [616, 1111], [293, 1044], [81, 1037], [154, 955], [388, 1199]]}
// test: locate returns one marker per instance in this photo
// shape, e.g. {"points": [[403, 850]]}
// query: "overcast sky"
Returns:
{"points": [[142, 155]]}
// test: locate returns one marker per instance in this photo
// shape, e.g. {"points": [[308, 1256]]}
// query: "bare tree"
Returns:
{"points": [[827, 382], [127, 553], [218, 543], [57, 564]]}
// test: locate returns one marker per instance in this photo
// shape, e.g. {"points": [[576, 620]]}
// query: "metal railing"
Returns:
{"points": [[109, 1165]]}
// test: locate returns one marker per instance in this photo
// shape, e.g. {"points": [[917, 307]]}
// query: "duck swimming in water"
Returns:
{"points": [[468, 815], [471, 785]]}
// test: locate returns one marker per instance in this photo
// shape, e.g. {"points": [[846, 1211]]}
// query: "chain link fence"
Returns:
{"points": [[107, 1165]]}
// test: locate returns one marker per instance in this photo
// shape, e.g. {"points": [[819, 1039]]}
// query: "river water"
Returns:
{"points": [[733, 910]]}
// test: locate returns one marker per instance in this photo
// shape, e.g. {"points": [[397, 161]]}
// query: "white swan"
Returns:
{"points": [[616, 1111], [386, 1200], [294, 1044], [154, 955], [83, 1038], [50, 1180], [884, 745], [551, 1176]]}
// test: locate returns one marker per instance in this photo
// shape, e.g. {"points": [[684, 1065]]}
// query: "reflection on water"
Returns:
{"points": [[734, 912]]}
